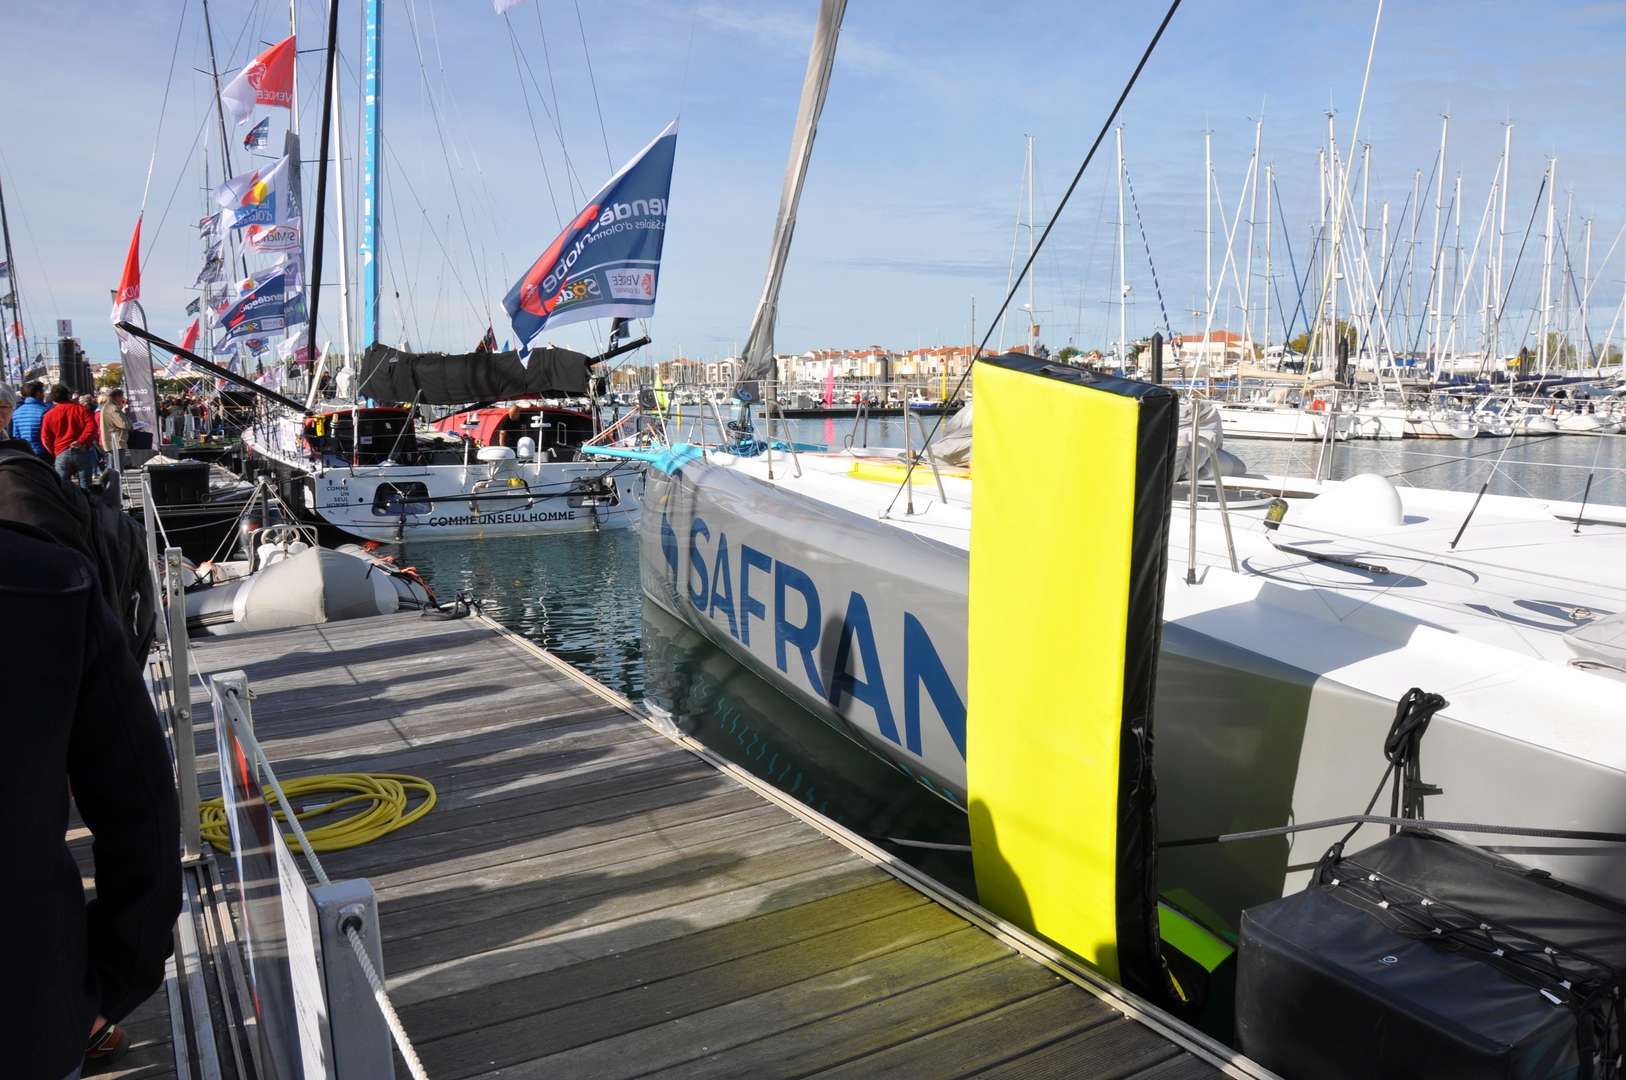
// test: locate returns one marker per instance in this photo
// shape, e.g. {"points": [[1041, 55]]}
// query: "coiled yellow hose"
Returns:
{"points": [[385, 795]]}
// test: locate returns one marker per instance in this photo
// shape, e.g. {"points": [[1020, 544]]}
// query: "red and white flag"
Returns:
{"points": [[136, 357], [129, 281], [267, 80], [190, 337]]}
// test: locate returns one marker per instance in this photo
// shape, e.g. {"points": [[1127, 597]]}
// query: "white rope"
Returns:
{"points": [[381, 997]]}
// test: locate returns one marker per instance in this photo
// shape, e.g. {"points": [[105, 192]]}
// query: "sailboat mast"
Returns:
{"points": [[220, 115], [372, 58], [1033, 316], [1270, 227], [1583, 337], [314, 282], [1547, 269], [1123, 283], [11, 285], [1208, 226], [1253, 213], [1434, 243], [1501, 243], [345, 341]]}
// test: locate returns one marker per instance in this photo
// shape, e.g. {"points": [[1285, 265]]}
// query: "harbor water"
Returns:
{"points": [[579, 596]]}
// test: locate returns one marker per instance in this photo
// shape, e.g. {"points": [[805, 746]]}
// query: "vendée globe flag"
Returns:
{"points": [[606, 263], [267, 80]]}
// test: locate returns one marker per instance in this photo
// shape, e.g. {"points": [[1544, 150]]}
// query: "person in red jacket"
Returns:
{"points": [[68, 431]]}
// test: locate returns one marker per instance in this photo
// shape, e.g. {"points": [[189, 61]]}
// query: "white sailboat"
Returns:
{"points": [[1283, 650]]}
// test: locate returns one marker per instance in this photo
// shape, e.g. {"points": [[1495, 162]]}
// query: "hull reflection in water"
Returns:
{"points": [[709, 696]]}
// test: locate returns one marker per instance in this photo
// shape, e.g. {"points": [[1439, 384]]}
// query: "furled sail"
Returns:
{"points": [[757, 362], [459, 379]]}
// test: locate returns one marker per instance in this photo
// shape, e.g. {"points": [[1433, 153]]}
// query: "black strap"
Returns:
{"points": [[1388, 819]]}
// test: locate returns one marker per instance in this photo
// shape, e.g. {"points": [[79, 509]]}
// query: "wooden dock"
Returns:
{"points": [[593, 896]]}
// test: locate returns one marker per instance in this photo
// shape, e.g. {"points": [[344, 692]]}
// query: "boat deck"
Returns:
{"points": [[593, 896]]}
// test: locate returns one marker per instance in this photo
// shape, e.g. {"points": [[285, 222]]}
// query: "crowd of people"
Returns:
{"points": [[75, 601], [80, 435]]}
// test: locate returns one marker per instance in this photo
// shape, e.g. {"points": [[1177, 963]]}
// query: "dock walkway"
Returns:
{"points": [[593, 896]]}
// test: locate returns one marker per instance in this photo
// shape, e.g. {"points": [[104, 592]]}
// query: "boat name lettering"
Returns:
{"points": [[733, 588], [513, 517]]}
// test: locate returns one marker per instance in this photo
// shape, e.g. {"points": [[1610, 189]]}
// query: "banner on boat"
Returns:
{"points": [[606, 263], [263, 309]]}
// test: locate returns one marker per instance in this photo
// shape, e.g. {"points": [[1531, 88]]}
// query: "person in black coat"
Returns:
{"points": [[78, 718]]}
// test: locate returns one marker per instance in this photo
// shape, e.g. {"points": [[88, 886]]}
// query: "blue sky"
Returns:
{"points": [[909, 209]]}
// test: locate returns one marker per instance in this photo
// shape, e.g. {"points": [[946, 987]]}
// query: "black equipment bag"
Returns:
{"points": [[1422, 957], [31, 493]]}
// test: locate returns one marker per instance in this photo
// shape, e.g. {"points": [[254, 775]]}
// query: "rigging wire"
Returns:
{"points": [[609, 159], [1147, 244], [513, 43], [1067, 195], [163, 107], [440, 133], [558, 113]]}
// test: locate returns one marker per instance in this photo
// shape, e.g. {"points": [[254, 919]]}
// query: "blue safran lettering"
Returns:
{"points": [[669, 544], [923, 667], [871, 690], [722, 586], [805, 637], [697, 565], [750, 605]]}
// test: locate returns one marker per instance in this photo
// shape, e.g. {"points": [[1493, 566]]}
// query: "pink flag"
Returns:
{"points": [[267, 80]]}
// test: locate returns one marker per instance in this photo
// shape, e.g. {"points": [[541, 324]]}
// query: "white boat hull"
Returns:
{"points": [[1268, 711]]}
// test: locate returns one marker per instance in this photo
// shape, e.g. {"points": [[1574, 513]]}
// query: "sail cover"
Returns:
{"points": [[459, 379], [757, 362]]}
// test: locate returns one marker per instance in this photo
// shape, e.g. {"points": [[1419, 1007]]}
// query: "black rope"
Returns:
{"points": [[1147, 244], [1386, 819], [1027, 266]]}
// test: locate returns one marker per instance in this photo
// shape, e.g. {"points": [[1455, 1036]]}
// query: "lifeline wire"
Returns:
{"points": [[1051, 224]]}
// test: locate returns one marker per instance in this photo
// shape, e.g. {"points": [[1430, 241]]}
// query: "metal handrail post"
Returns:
{"points": [[926, 448], [180, 676]]}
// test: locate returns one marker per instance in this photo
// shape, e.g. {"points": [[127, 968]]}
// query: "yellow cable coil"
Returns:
{"points": [[385, 796]]}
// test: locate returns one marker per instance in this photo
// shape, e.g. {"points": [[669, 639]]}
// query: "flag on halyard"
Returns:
{"points": [[261, 197], [193, 305], [607, 261], [260, 310], [487, 343], [189, 338], [257, 135], [5, 269], [267, 80], [134, 353], [130, 280], [214, 269], [208, 223], [266, 238]]}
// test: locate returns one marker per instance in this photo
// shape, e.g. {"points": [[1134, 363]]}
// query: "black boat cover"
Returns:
{"points": [[390, 375], [1422, 957]]}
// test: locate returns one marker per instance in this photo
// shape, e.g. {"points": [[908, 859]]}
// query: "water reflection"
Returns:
{"points": [[716, 700]]}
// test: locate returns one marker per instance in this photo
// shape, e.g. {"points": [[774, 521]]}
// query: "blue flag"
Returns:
{"points": [[606, 263], [260, 310], [257, 135]]}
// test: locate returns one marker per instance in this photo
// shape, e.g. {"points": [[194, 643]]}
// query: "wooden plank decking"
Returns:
{"points": [[592, 897]]}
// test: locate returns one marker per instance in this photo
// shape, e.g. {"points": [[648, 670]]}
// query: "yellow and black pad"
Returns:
{"points": [[1069, 543]]}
